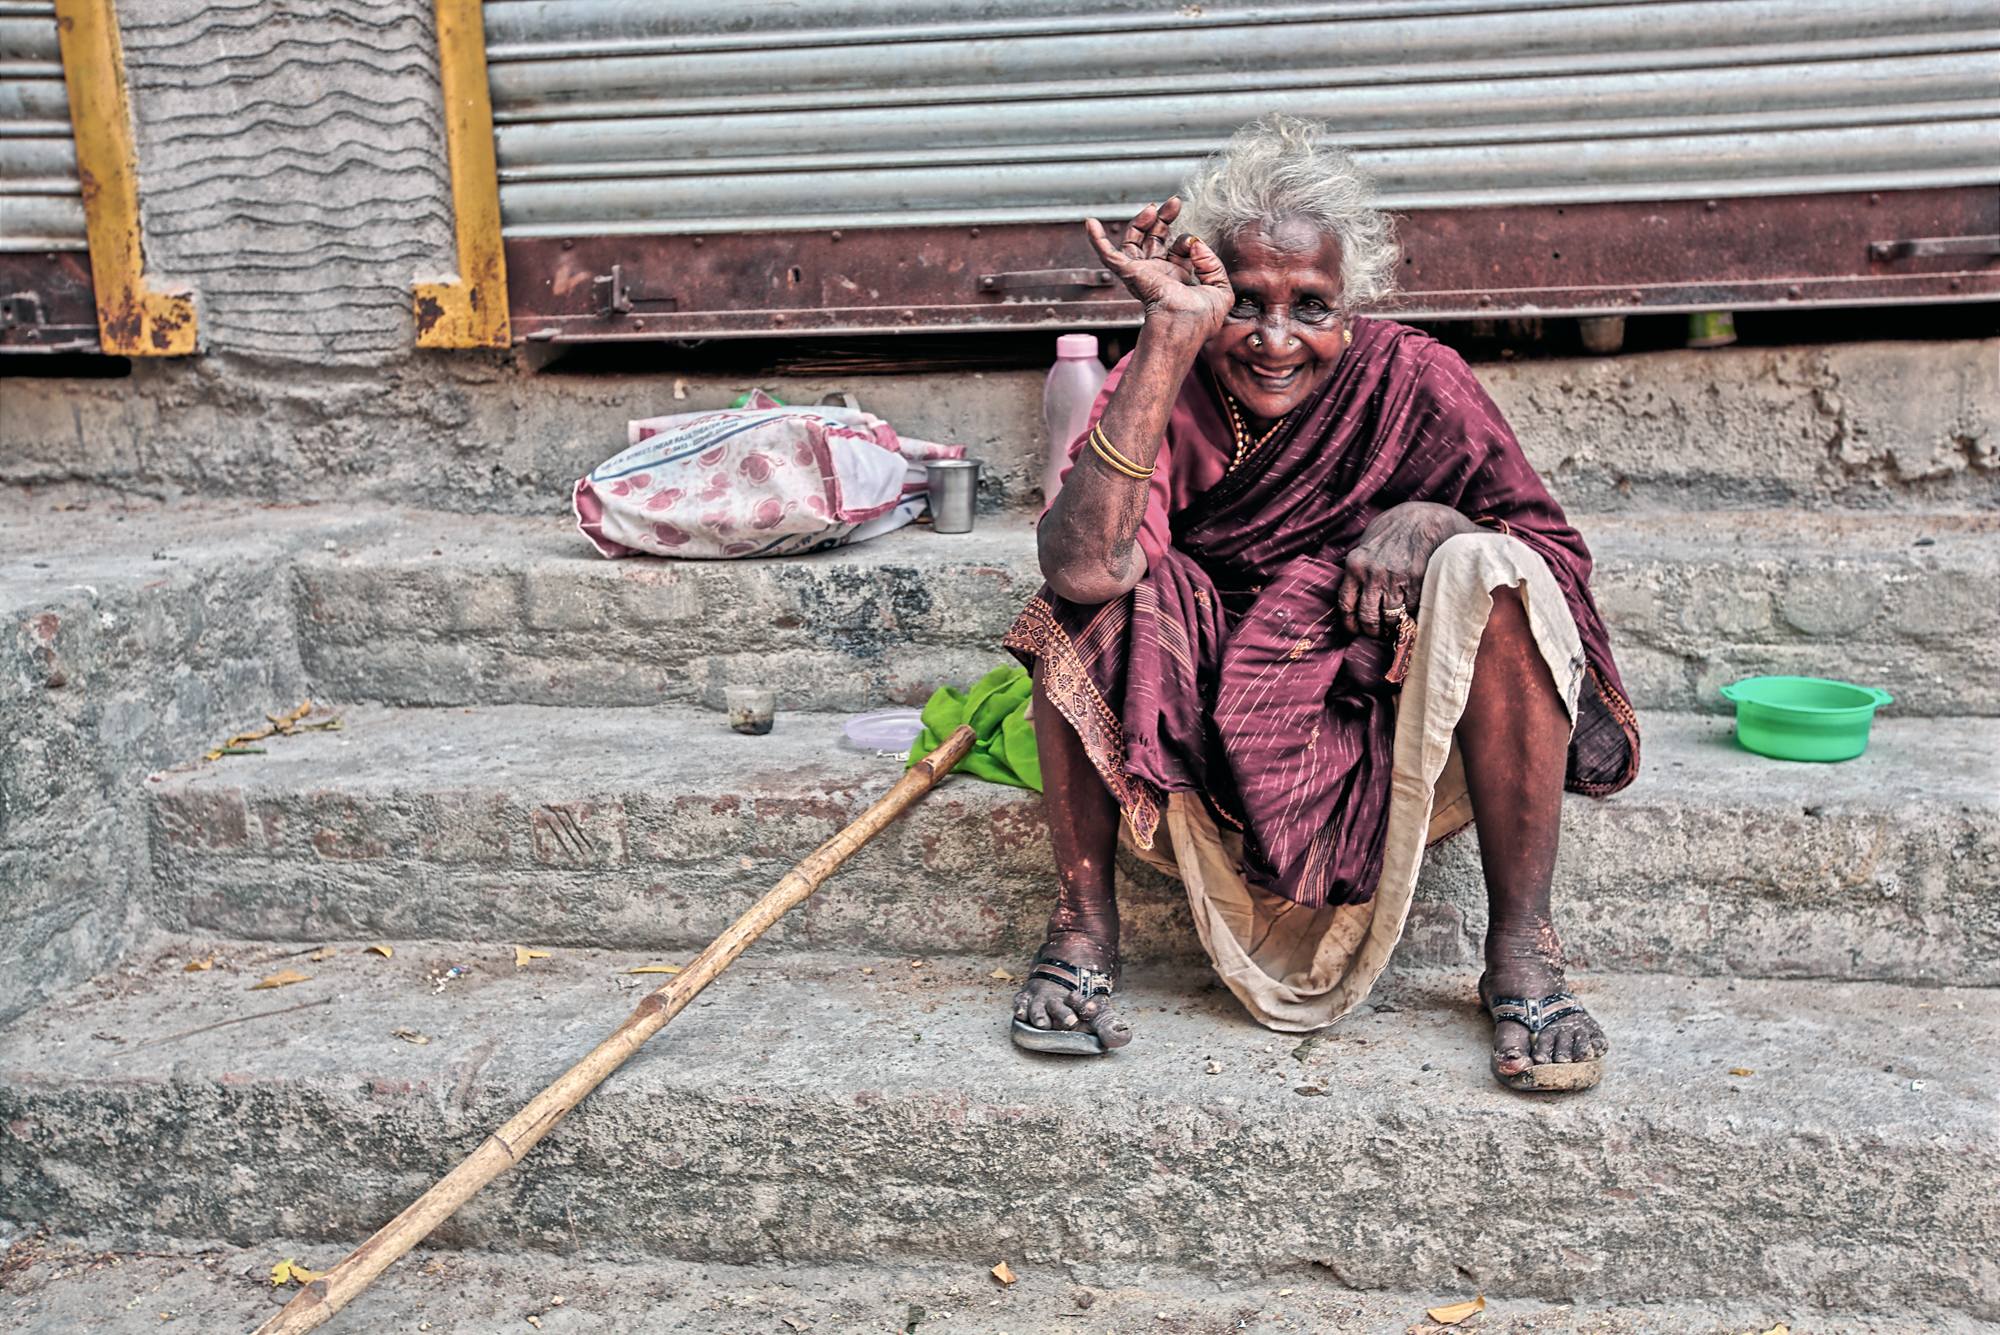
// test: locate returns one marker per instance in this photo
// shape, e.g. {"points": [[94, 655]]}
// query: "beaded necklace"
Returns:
{"points": [[1245, 447]]}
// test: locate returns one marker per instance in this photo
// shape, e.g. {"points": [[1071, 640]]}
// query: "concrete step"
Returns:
{"points": [[652, 829], [524, 613], [77, 1283], [139, 635], [415, 607], [1801, 1143]]}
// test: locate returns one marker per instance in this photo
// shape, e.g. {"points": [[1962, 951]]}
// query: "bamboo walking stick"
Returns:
{"points": [[506, 1147]]}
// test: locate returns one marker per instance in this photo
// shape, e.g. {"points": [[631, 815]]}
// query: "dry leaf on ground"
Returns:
{"points": [[1002, 975], [280, 979], [1457, 1312], [324, 953], [1741, 1070], [1780, 1329], [384, 951], [522, 955], [1003, 1274], [412, 1036], [196, 966], [289, 1270], [656, 968], [796, 1324]]}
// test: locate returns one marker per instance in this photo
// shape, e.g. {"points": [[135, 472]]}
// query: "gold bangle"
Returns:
{"points": [[1137, 474], [1101, 445]]}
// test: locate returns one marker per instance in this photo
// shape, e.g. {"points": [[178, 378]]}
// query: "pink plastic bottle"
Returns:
{"points": [[1074, 382]]}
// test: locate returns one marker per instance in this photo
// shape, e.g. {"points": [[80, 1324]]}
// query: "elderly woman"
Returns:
{"points": [[1308, 609]]}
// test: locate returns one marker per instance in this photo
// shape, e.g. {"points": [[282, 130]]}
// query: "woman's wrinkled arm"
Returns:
{"points": [[1088, 541]]}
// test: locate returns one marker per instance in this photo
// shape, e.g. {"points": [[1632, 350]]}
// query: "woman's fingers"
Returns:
{"points": [[1370, 597], [1383, 608], [1370, 611], [1347, 601], [1205, 263], [1361, 594], [1147, 235], [1142, 230], [1106, 249]]}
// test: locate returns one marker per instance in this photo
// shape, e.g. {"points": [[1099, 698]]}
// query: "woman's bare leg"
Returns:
{"points": [[1083, 827], [1514, 737]]}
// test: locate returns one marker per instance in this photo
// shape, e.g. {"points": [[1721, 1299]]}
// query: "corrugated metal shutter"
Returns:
{"points": [[626, 117], [41, 202]]}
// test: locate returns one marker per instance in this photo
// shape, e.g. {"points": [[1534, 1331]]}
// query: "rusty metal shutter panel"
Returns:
{"points": [[1654, 102], [615, 117], [41, 201]]}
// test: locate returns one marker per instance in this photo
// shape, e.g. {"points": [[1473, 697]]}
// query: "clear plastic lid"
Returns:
{"points": [[1076, 345], [885, 730]]}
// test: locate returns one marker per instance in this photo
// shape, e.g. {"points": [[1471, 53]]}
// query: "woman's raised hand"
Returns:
{"points": [[1183, 279]]}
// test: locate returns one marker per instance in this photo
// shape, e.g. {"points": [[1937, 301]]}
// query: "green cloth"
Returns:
{"points": [[997, 709]]}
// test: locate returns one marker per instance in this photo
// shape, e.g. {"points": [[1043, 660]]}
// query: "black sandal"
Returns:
{"points": [[1085, 985], [1535, 1016]]}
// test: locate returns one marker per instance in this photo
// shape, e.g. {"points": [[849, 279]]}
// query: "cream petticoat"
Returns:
{"points": [[1297, 968]]}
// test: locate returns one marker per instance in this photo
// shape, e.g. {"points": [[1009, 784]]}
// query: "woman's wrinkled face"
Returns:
{"points": [[1284, 332]]}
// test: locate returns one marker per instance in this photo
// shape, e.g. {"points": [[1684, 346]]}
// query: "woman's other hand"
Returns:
{"points": [[1385, 570], [1182, 280]]}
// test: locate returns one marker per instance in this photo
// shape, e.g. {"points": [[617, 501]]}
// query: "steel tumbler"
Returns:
{"points": [[954, 485]]}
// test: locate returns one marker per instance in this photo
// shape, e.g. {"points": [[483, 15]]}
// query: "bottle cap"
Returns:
{"points": [[1076, 345]]}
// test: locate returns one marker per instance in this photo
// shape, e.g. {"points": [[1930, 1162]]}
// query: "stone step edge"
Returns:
{"points": [[627, 1287], [1759, 868], [815, 1108]]}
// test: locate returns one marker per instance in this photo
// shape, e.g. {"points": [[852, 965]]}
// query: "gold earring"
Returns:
{"points": [[1347, 337]]}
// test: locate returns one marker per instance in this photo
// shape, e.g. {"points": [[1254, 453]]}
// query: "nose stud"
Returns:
{"points": [[1291, 342], [1256, 340]]}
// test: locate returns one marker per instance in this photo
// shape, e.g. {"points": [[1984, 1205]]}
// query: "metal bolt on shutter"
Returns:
{"points": [[681, 124]]}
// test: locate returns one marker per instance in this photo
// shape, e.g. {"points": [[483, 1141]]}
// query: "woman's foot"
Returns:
{"points": [[1548, 1028], [1068, 995]]}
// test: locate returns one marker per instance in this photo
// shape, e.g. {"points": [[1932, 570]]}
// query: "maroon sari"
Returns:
{"points": [[1171, 687]]}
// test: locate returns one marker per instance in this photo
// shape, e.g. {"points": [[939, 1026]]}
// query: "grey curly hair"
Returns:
{"points": [[1282, 166]]}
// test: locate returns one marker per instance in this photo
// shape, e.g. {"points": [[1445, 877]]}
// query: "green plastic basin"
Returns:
{"points": [[1804, 718]]}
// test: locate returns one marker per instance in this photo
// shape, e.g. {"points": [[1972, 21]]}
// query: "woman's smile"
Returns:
{"points": [[1275, 379]]}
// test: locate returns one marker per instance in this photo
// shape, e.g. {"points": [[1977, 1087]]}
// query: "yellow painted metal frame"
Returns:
{"points": [[470, 312], [132, 319]]}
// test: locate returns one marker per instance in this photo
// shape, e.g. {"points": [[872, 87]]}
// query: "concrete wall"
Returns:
{"points": [[1867, 425], [110, 669], [1874, 426], [292, 168]]}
